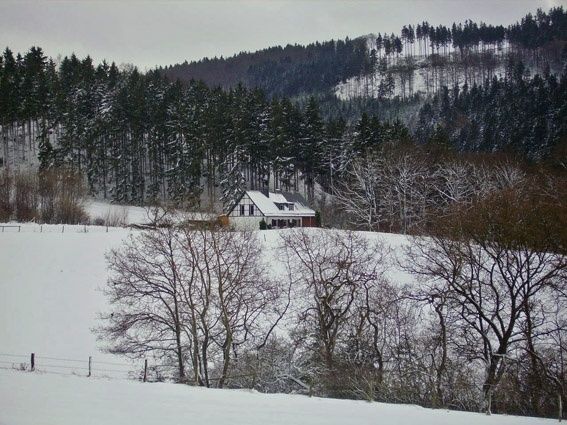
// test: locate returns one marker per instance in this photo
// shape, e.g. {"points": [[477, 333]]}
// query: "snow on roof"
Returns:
{"points": [[265, 205], [268, 207], [299, 201], [277, 197]]}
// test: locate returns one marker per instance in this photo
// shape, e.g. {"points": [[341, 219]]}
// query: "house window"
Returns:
{"points": [[280, 206], [290, 207], [242, 210], [250, 209]]}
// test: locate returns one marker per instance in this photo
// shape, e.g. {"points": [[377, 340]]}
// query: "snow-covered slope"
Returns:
{"points": [[35, 399], [49, 299], [122, 215], [116, 214], [50, 280]]}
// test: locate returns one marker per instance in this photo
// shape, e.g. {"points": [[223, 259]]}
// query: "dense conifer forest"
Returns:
{"points": [[139, 137], [518, 115]]}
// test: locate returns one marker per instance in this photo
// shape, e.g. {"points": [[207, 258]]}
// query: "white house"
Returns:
{"points": [[278, 210]]}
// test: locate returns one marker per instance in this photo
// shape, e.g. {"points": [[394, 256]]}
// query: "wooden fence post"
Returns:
{"points": [[32, 361], [145, 369], [90, 362]]}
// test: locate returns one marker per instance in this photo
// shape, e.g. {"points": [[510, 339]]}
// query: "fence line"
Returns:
{"points": [[60, 228], [72, 373], [57, 358], [10, 226], [86, 367], [33, 362]]}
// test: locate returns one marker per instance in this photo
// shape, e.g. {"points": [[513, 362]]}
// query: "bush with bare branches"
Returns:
{"points": [[50, 196], [334, 273]]}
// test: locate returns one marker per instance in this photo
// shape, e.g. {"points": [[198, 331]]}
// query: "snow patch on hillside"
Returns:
{"points": [[122, 214]]}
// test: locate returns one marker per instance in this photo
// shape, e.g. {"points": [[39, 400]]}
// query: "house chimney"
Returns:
{"points": [[265, 191]]}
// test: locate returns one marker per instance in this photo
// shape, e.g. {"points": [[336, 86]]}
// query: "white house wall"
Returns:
{"points": [[253, 223], [246, 202], [245, 223]]}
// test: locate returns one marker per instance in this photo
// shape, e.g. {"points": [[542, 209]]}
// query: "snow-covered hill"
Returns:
{"points": [[50, 283], [49, 277], [36, 399], [49, 299]]}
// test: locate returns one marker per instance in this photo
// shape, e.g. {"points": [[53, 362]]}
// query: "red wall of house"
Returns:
{"points": [[308, 221]]}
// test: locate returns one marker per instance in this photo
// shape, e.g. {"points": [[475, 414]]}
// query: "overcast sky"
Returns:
{"points": [[150, 33]]}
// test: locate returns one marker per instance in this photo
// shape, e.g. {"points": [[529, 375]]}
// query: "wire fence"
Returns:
{"points": [[89, 367], [92, 368], [58, 228]]}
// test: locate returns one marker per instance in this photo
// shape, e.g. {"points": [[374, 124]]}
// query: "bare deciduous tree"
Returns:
{"points": [[491, 263], [333, 272], [360, 194], [197, 295], [145, 294]]}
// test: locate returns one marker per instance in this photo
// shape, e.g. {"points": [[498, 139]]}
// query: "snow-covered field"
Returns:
{"points": [[49, 300], [35, 399], [123, 215], [120, 213], [50, 280], [49, 277]]}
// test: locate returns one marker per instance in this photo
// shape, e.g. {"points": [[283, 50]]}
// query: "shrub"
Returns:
{"points": [[25, 196], [6, 208], [52, 196]]}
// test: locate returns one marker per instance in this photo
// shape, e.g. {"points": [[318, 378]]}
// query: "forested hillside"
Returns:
{"points": [[420, 59], [280, 71], [139, 137], [523, 116]]}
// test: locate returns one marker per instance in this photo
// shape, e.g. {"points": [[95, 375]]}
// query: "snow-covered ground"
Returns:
{"points": [[49, 300], [50, 280], [121, 214], [36, 399]]}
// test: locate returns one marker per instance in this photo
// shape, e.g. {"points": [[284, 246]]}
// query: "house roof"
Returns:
{"points": [[268, 207], [277, 197], [298, 200]]}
